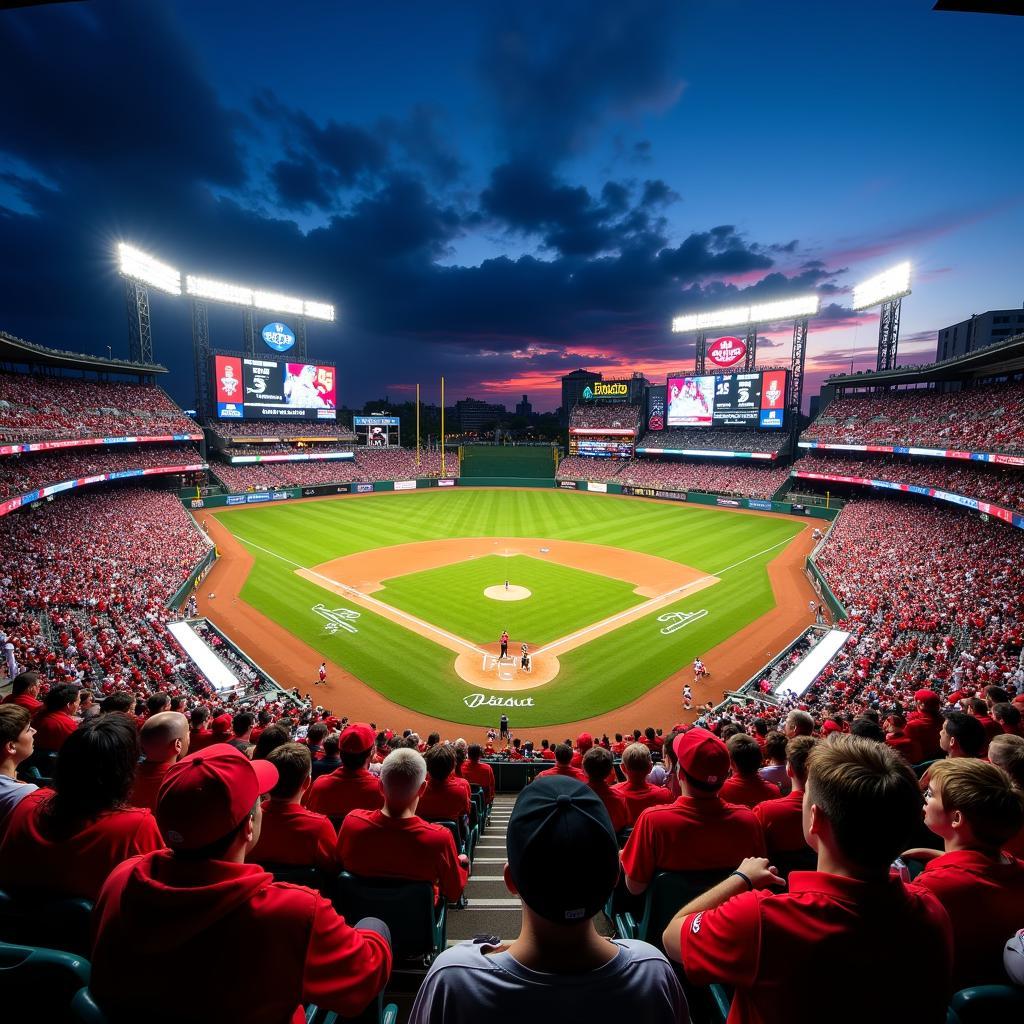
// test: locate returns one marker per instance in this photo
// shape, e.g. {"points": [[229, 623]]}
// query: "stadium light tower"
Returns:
{"points": [[141, 272], [886, 290]]}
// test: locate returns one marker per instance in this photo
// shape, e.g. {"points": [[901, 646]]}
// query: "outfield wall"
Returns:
{"points": [[507, 461]]}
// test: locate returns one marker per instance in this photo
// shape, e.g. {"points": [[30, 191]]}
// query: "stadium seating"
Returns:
{"points": [[281, 428], [732, 477], [987, 418], [54, 408], [706, 439], [612, 415]]}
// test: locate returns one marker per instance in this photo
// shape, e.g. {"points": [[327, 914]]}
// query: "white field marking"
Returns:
{"points": [[388, 610], [636, 611]]}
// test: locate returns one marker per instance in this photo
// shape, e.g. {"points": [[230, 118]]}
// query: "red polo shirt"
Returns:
{"points": [[547, 754], [691, 835], [640, 795], [614, 804], [53, 728], [990, 725], [148, 777], [200, 738], [445, 801], [748, 792], [568, 770], [286, 941], [782, 821], [924, 730], [26, 701], [292, 835], [79, 864], [345, 790], [376, 846], [985, 902], [906, 745], [781, 952], [476, 773]]}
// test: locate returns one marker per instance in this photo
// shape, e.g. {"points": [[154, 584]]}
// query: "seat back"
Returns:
{"points": [[418, 927], [39, 981], [984, 1004], [668, 893], [36, 918], [453, 827], [297, 874], [920, 769]]}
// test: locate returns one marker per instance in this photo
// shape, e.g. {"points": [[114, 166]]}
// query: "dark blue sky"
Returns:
{"points": [[502, 192]]}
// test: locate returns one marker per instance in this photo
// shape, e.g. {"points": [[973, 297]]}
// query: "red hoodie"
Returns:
{"points": [[276, 946]]}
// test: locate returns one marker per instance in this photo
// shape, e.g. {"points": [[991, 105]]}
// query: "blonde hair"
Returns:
{"points": [[1007, 751], [983, 794], [636, 758]]}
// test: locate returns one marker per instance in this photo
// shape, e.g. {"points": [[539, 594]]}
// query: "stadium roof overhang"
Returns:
{"points": [[1004, 357], [17, 350]]}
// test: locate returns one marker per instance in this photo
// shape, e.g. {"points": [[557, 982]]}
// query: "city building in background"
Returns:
{"points": [[978, 331]]}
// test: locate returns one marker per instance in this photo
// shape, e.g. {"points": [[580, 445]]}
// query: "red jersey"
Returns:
{"points": [[780, 951], [344, 790], [375, 846], [200, 738], [548, 754], [79, 864], [287, 941], [476, 773], [641, 795], [906, 745], [148, 777], [691, 835], [23, 700], [748, 792], [985, 903], [445, 801], [53, 728], [924, 729], [783, 823], [614, 804], [572, 773], [292, 835]]}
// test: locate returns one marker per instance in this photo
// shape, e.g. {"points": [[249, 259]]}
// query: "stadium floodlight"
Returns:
{"points": [[140, 266], [737, 316], [891, 284], [270, 302]]}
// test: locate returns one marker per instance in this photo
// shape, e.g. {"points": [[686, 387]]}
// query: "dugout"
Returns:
{"points": [[535, 462]]}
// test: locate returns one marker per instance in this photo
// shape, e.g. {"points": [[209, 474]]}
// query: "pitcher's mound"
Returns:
{"points": [[512, 594]]}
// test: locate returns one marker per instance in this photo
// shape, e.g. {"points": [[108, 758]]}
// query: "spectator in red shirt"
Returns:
{"points": [[69, 839], [745, 786], [782, 818], [563, 765], [975, 810], [394, 842], [287, 941], [978, 709], [25, 691], [1009, 719], [163, 740], [57, 721], [477, 773], [198, 735], [962, 736], [618, 748], [583, 743], [925, 723], [596, 765], [699, 831], [351, 786], [546, 751], [900, 740], [779, 951], [270, 739], [638, 793], [447, 796], [291, 834]]}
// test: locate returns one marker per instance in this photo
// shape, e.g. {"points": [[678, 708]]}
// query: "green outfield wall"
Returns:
{"points": [[517, 461]]}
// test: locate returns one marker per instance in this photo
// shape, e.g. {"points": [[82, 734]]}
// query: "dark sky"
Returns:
{"points": [[505, 191]]}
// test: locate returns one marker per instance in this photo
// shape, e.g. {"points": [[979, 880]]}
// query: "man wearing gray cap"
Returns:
{"points": [[563, 863]]}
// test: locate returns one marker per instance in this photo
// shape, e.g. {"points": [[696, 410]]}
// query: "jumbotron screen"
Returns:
{"points": [[263, 389], [756, 400]]}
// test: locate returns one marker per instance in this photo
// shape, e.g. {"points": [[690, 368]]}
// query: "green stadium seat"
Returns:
{"points": [[36, 918], [419, 929], [984, 1004], [668, 892], [39, 981], [920, 769]]}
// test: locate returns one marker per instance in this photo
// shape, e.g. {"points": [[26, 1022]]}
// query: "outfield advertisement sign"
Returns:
{"points": [[708, 453], [567, 485], [364, 488], [728, 502], [653, 492], [600, 488], [446, 482], [405, 485], [319, 491], [759, 504], [996, 458]]}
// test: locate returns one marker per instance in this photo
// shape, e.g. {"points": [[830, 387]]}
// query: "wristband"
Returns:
{"points": [[739, 874]]}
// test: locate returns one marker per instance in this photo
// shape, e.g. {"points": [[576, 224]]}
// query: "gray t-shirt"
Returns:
{"points": [[12, 793], [466, 987]]}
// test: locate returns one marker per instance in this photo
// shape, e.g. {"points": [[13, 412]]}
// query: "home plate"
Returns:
{"points": [[501, 593]]}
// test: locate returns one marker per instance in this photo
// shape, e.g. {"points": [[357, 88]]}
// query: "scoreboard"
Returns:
{"points": [[728, 400]]}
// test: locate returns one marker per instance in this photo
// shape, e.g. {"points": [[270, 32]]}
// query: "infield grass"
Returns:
{"points": [[413, 671]]}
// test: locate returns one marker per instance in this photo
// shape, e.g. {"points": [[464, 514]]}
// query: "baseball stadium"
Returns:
{"points": [[698, 696]]}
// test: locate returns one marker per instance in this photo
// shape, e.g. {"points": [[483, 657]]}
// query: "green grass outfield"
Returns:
{"points": [[562, 599], [594, 679]]}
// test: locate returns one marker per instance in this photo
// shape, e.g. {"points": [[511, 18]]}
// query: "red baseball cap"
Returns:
{"points": [[703, 756], [927, 697], [584, 739], [208, 793], [333, 722], [357, 738], [222, 723]]}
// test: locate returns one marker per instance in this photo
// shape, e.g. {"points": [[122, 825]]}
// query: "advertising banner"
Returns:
{"points": [[567, 485], [405, 485], [653, 492], [324, 489], [758, 503], [773, 398], [364, 488], [256, 389], [728, 502], [280, 337], [606, 391], [227, 375], [446, 483], [237, 460], [600, 488], [375, 421], [656, 408], [726, 352]]}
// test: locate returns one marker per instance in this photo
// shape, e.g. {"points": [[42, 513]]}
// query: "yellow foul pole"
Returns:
{"points": [[442, 426], [417, 426]]}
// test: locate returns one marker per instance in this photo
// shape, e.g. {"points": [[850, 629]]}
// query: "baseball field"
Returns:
{"points": [[405, 594]]}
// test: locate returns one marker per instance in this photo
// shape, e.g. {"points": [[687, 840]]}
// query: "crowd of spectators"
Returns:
{"points": [[282, 428], [707, 439], [985, 418], [996, 484], [285, 447], [35, 408], [580, 467], [370, 464], [27, 472], [730, 478], [596, 415]]}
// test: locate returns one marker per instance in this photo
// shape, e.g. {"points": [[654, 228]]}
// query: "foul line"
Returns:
{"points": [[388, 610], [635, 612]]}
